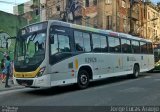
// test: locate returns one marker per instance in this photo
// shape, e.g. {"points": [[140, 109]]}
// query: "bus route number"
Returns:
{"points": [[90, 60]]}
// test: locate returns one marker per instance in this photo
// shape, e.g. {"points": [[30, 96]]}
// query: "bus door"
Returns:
{"points": [[103, 63], [60, 49], [144, 56], [115, 50]]}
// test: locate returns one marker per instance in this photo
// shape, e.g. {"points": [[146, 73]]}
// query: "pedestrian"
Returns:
{"points": [[3, 70], [7, 67]]}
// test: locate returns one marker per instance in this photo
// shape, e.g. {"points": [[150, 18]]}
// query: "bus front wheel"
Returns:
{"points": [[83, 79]]}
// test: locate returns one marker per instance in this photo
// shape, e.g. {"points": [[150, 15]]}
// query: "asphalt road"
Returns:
{"points": [[144, 91]]}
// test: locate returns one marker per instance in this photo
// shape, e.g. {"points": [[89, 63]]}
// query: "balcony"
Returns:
{"points": [[134, 15]]}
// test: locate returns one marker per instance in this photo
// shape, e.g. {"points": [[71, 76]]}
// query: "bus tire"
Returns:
{"points": [[136, 71], [83, 79]]}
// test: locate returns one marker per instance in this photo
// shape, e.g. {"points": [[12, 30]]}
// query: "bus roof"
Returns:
{"points": [[108, 32]]}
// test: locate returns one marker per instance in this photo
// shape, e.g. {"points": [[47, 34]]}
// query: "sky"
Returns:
{"points": [[9, 7]]}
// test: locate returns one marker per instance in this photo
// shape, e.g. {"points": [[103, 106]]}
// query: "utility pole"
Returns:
{"points": [[131, 6], [116, 16], [66, 13]]}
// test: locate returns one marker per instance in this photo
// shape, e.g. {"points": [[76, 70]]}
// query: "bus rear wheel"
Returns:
{"points": [[136, 71], [83, 79]]}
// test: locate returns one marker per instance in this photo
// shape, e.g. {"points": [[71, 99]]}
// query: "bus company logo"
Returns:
{"points": [[131, 58]]}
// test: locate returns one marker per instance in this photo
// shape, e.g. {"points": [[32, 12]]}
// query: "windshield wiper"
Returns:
{"points": [[32, 37]]}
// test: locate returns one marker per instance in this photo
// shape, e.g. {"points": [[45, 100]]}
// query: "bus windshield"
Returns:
{"points": [[30, 49]]}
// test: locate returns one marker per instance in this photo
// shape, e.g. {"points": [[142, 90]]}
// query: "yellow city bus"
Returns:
{"points": [[54, 53]]}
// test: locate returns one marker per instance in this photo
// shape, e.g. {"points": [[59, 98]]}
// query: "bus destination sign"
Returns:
{"points": [[34, 28]]}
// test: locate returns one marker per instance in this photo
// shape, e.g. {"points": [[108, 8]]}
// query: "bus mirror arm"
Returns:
{"points": [[51, 38]]}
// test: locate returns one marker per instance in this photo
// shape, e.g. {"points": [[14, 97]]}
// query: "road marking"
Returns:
{"points": [[115, 84], [157, 79], [132, 90], [147, 77]]}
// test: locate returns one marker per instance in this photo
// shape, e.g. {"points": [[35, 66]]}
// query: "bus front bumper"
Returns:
{"points": [[43, 81]]}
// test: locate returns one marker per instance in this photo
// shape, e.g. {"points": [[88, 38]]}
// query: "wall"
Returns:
{"points": [[10, 24]]}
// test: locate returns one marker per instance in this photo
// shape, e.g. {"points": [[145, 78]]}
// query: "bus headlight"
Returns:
{"points": [[41, 71]]}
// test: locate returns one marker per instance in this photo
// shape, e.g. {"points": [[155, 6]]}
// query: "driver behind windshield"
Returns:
{"points": [[40, 50]]}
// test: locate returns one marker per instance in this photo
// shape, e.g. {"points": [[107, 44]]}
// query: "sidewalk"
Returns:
{"points": [[10, 83]]}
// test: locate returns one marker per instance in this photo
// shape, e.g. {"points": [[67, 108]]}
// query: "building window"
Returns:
{"points": [[58, 8], [108, 1], [94, 2], [123, 4], [148, 15], [95, 22], [118, 23], [109, 22], [37, 12], [87, 3], [125, 25], [87, 21]]}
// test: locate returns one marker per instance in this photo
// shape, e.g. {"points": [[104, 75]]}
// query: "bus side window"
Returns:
{"points": [[64, 45], [126, 46], [114, 44], [82, 41], [96, 43], [104, 46], [150, 48], [54, 44], [99, 43], [143, 46], [78, 47], [78, 36], [135, 46]]}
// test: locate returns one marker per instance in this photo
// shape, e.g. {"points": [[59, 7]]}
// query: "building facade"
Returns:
{"points": [[55, 9], [137, 16], [153, 23], [90, 13], [113, 15], [29, 10]]}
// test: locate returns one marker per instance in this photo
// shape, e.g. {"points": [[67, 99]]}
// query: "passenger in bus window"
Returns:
{"points": [[78, 47]]}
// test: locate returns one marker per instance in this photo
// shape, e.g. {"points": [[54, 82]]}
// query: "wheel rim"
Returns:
{"points": [[136, 72], [84, 79]]}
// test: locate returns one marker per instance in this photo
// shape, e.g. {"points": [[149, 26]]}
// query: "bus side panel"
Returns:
{"points": [[127, 64], [144, 63], [66, 71], [150, 62], [61, 72]]}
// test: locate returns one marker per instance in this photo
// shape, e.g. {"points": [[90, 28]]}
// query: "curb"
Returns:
{"points": [[12, 88]]}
